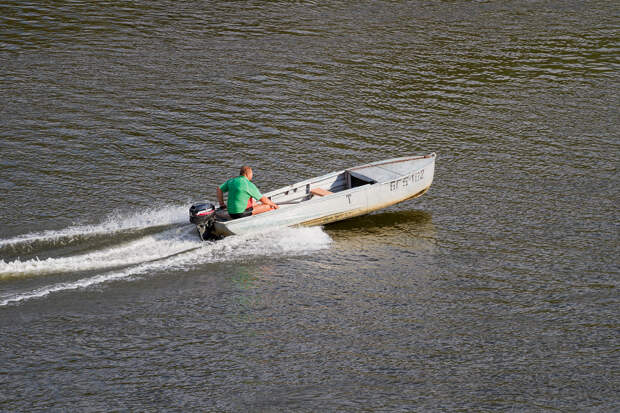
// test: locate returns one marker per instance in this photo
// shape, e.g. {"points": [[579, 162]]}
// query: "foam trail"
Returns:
{"points": [[287, 241], [145, 249], [114, 222]]}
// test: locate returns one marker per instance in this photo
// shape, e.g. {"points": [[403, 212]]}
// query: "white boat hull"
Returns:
{"points": [[356, 191]]}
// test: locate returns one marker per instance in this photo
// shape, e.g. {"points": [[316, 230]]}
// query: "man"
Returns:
{"points": [[241, 190]]}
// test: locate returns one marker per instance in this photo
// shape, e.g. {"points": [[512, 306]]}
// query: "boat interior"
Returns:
{"points": [[321, 186]]}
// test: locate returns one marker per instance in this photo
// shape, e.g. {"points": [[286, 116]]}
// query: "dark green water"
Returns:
{"points": [[496, 290]]}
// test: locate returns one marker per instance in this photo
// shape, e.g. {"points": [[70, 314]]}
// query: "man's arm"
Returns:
{"points": [[269, 202], [220, 197], [255, 193]]}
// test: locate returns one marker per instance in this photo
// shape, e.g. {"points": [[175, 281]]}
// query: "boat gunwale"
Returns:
{"points": [[432, 155]]}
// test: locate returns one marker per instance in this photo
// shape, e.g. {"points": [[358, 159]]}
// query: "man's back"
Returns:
{"points": [[240, 189]]}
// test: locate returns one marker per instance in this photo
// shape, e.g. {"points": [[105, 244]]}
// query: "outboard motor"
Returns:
{"points": [[203, 215]]}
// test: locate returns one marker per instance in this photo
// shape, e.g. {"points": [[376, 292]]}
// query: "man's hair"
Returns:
{"points": [[244, 169]]}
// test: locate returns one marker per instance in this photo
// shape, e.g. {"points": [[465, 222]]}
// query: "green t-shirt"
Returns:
{"points": [[240, 190]]}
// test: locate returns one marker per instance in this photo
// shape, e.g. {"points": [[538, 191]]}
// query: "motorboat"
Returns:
{"points": [[324, 199]]}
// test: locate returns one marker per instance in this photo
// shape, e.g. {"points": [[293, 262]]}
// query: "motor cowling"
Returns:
{"points": [[201, 212]]}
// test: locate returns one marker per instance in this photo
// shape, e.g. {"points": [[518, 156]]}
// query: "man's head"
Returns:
{"points": [[246, 171]]}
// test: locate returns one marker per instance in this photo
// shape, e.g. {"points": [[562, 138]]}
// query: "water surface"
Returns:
{"points": [[496, 290]]}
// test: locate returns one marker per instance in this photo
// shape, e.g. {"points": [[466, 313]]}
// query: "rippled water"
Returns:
{"points": [[496, 290]]}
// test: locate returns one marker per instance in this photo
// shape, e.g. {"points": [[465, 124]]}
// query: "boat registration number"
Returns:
{"points": [[404, 182]]}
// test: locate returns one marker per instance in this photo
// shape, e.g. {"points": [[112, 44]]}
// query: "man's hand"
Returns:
{"points": [[267, 201]]}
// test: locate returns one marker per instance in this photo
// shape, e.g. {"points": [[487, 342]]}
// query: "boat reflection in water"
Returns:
{"points": [[408, 231]]}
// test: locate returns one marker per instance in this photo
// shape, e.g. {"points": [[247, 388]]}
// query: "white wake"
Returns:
{"points": [[176, 249], [115, 222]]}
